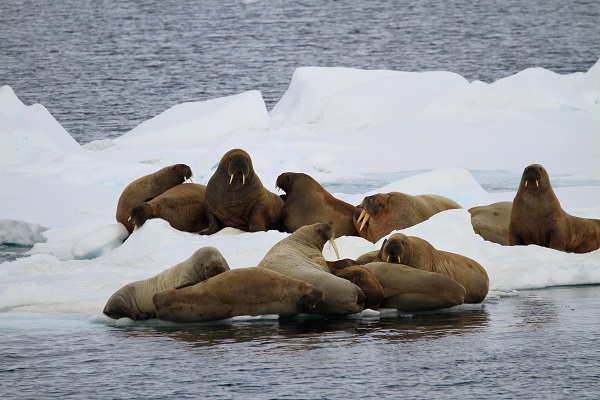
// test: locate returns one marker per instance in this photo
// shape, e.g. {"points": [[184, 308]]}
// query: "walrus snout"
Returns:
{"points": [[314, 298], [284, 182], [239, 164], [140, 214], [393, 248], [118, 306], [533, 173]]}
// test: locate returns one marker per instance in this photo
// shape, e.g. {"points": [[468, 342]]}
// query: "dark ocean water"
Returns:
{"points": [[103, 67]]}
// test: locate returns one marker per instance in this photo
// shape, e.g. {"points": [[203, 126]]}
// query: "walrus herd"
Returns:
{"points": [[407, 273]]}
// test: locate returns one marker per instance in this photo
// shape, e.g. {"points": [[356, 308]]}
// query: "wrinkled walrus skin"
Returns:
{"points": [[491, 221], [410, 289], [235, 197], [383, 213], [419, 253], [243, 291], [300, 256], [182, 207], [134, 300], [538, 218], [307, 203], [148, 187]]}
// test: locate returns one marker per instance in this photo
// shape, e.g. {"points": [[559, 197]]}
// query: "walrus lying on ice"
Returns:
{"points": [[235, 197], [300, 256], [491, 221], [383, 213], [538, 218], [307, 203], [148, 187], [134, 300], [243, 291], [419, 253]]}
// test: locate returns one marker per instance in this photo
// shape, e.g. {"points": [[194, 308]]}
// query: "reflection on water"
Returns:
{"points": [[537, 344]]}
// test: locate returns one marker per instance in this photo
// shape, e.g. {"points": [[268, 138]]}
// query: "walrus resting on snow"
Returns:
{"points": [[235, 197], [491, 221], [383, 213], [243, 291], [419, 253], [182, 206], [134, 300], [362, 277], [300, 256], [410, 289], [148, 187], [538, 218], [307, 203]]}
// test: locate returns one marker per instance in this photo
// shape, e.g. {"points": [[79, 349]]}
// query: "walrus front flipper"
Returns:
{"points": [[213, 224]]}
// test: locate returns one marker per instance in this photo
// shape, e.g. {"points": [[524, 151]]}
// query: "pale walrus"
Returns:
{"points": [[383, 213], [491, 221], [235, 197], [134, 300], [410, 289], [243, 291], [148, 187], [538, 218], [419, 253], [300, 256], [182, 206], [362, 277], [307, 203]]}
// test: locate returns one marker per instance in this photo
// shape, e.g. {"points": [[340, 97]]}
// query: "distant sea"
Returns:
{"points": [[102, 67]]}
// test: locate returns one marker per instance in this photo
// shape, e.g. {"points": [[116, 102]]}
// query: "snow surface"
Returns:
{"points": [[342, 126]]}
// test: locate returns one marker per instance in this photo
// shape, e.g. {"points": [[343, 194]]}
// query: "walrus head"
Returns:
{"points": [[313, 298], [239, 166], [367, 217], [285, 181], [140, 214], [119, 305], [316, 235], [393, 248], [182, 172], [533, 174]]}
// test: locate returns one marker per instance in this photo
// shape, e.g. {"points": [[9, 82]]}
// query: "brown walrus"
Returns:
{"points": [[235, 197], [182, 206], [134, 300], [243, 291], [491, 221], [362, 277], [538, 218], [148, 187], [383, 213], [419, 253], [300, 256], [307, 203], [410, 289]]}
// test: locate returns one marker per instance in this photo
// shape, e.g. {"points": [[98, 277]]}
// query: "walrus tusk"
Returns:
{"points": [[367, 216], [230, 178], [362, 215], [399, 262], [526, 183], [537, 183], [190, 179], [388, 259], [337, 253], [243, 179]]}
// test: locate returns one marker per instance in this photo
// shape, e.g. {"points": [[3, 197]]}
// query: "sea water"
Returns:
{"points": [[102, 67]]}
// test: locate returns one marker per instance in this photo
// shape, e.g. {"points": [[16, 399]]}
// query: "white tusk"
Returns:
{"points": [[537, 183], [399, 262], [388, 259], [526, 183], [367, 216], [243, 179], [129, 219], [190, 179], [362, 215], [230, 179], [337, 253]]}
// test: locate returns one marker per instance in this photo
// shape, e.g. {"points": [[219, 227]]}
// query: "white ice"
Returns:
{"points": [[345, 128]]}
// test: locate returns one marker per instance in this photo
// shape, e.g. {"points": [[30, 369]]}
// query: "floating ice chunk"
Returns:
{"points": [[99, 242], [21, 233]]}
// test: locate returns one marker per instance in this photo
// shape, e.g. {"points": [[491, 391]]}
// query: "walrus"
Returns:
{"points": [[362, 277], [182, 207], [148, 187], [243, 291], [307, 203], [300, 256], [491, 221], [134, 300], [235, 197], [419, 253], [410, 289], [383, 213], [538, 218]]}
